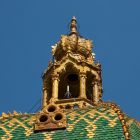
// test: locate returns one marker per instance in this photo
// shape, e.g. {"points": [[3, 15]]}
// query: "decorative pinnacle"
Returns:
{"points": [[73, 26]]}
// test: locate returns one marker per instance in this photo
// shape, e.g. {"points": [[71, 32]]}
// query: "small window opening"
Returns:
{"points": [[76, 106], [43, 118], [58, 117], [68, 107], [51, 108]]}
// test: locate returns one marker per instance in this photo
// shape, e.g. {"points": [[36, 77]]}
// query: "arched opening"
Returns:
{"points": [[69, 85]]}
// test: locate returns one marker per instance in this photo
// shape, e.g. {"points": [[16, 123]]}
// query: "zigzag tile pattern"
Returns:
{"points": [[96, 123], [134, 129]]}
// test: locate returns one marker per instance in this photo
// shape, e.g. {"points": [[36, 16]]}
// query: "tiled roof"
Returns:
{"points": [[97, 123]]}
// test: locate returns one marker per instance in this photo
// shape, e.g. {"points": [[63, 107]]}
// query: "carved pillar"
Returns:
{"points": [[44, 100], [55, 81], [96, 94], [83, 85]]}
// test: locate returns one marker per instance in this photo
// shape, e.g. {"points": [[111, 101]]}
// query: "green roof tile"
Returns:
{"points": [[96, 123]]}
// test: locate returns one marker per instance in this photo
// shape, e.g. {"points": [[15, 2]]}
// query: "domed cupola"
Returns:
{"points": [[75, 44]]}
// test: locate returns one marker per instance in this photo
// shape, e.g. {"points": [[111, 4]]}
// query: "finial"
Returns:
{"points": [[73, 26]]}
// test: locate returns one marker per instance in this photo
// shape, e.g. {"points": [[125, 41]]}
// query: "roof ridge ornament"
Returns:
{"points": [[68, 95]]}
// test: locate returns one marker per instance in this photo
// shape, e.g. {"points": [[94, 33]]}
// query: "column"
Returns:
{"points": [[44, 100], [55, 80], [82, 85], [96, 96]]}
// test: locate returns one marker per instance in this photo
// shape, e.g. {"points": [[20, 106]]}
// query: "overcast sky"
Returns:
{"points": [[29, 28]]}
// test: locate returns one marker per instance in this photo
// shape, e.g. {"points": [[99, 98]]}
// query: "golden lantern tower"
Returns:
{"points": [[74, 68]]}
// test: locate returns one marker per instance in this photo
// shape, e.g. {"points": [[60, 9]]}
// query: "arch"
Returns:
{"points": [[63, 65], [69, 82]]}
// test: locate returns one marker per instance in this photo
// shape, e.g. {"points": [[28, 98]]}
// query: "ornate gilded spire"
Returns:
{"points": [[73, 26], [74, 43]]}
